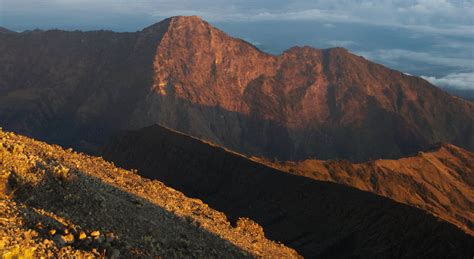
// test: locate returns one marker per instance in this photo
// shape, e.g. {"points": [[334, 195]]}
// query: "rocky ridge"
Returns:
{"points": [[319, 219], [440, 181], [57, 202]]}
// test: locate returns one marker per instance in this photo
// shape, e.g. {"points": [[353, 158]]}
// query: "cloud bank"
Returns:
{"points": [[394, 56], [453, 17], [438, 16], [463, 81]]}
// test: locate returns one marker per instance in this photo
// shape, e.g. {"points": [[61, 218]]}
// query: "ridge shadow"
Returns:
{"points": [[91, 203], [318, 219]]}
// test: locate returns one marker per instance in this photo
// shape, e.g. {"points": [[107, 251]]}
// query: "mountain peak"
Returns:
{"points": [[174, 22], [338, 50], [191, 24], [182, 18]]}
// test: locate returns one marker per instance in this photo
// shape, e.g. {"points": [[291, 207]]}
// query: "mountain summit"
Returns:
{"points": [[304, 102], [79, 88]]}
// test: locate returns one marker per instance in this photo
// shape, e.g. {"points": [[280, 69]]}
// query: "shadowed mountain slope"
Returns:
{"points": [[440, 181], [5, 30], [77, 88], [59, 203], [318, 219]]}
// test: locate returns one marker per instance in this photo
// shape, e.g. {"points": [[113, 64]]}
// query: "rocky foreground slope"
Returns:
{"points": [[60, 203], [317, 218], [78, 88]]}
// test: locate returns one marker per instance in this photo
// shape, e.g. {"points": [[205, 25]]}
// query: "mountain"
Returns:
{"points": [[79, 88], [440, 181], [5, 30], [466, 94], [318, 219], [59, 203]]}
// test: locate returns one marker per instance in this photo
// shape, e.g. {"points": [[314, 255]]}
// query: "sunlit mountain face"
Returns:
{"points": [[190, 76], [444, 60], [432, 39]]}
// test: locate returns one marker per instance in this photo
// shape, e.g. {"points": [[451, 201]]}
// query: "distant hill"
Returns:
{"points": [[462, 93], [440, 181], [5, 30], [318, 219]]}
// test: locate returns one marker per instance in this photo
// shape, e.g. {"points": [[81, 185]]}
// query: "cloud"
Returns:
{"points": [[447, 17], [395, 56], [253, 42], [464, 81], [450, 17], [341, 43]]}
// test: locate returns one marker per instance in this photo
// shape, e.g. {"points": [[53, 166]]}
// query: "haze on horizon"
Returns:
{"points": [[429, 38]]}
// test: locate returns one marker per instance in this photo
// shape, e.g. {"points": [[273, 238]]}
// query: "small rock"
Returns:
{"points": [[95, 233], [69, 238], [249, 227], [34, 233], [39, 226], [3, 243], [82, 235]]}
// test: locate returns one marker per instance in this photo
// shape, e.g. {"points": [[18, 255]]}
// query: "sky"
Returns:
{"points": [[429, 38]]}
